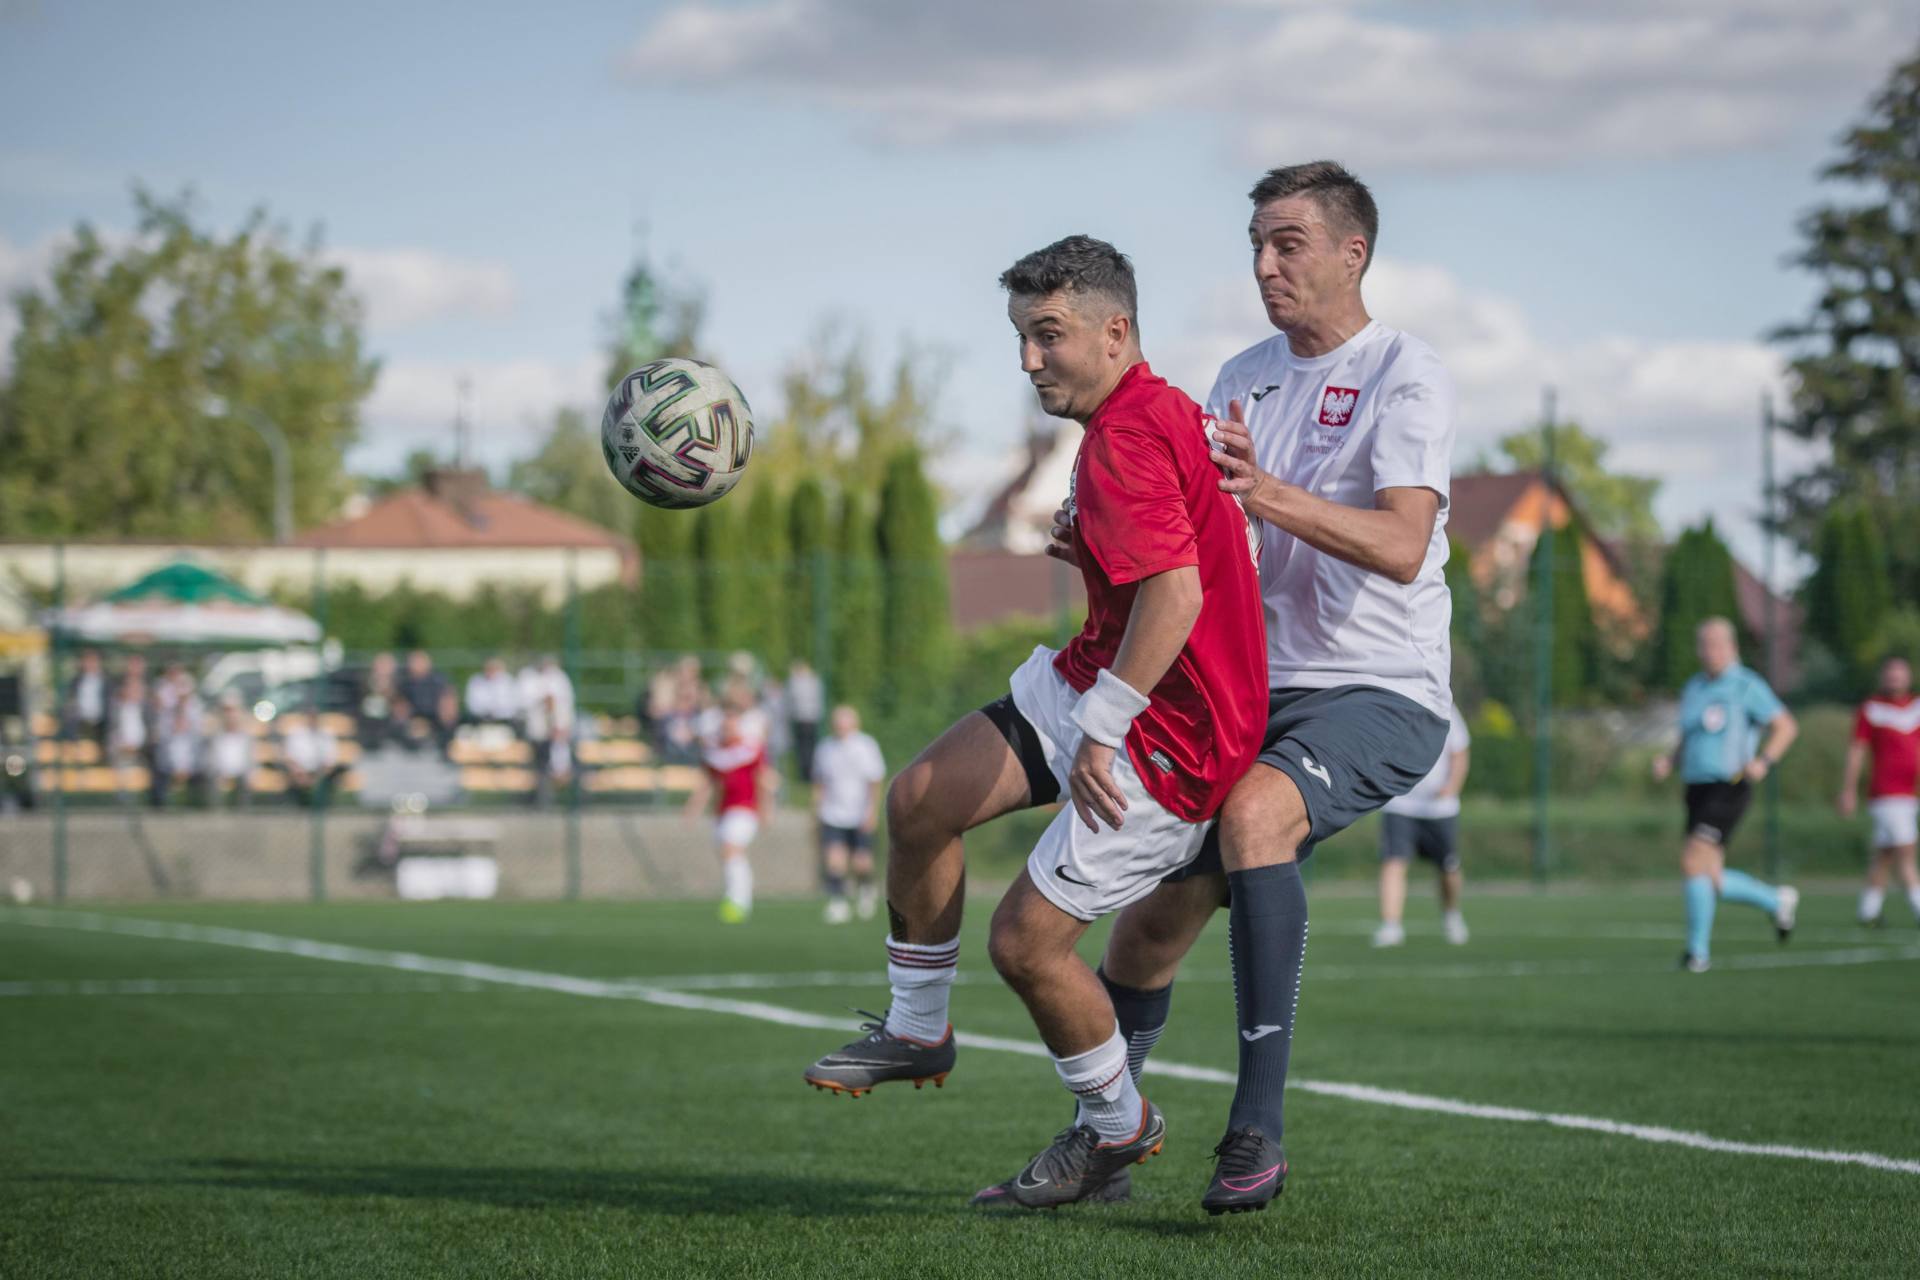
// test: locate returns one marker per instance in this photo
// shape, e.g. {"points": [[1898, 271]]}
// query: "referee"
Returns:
{"points": [[1724, 710]]}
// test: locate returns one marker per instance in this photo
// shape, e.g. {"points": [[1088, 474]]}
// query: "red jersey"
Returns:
{"points": [[735, 770], [1145, 499], [1891, 730]]}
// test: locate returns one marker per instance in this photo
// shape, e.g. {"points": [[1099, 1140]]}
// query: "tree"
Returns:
{"points": [[811, 593], [858, 606], [1576, 650], [140, 369], [658, 317], [1615, 506], [411, 475], [1696, 583], [568, 471], [838, 421], [669, 605], [725, 588], [1856, 364], [917, 615], [765, 564], [1468, 631], [1848, 596]]}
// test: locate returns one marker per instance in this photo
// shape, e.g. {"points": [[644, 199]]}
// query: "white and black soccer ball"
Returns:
{"points": [[677, 433]]}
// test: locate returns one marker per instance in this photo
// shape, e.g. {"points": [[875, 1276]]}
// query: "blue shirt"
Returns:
{"points": [[1720, 722]]}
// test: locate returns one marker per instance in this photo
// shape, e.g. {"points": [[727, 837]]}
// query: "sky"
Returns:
{"points": [[1595, 197]]}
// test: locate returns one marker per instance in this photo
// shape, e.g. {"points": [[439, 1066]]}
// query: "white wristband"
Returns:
{"points": [[1106, 711]]}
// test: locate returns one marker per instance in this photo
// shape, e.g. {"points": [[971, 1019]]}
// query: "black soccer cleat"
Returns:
{"points": [[1077, 1167], [1248, 1172], [1693, 963], [880, 1057]]}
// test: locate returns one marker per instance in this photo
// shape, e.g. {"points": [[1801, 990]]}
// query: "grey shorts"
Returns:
{"points": [[1403, 836], [1349, 750]]}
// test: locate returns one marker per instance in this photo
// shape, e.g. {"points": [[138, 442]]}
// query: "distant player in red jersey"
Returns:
{"points": [[1144, 721], [1888, 730], [736, 770]]}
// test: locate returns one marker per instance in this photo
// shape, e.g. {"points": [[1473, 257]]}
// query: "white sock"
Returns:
{"points": [[922, 979], [1452, 917], [737, 873], [1871, 900], [1109, 1100], [1913, 899]]}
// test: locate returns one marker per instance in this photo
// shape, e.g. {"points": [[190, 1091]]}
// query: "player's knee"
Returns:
{"points": [[909, 817], [1011, 950], [1261, 824]]}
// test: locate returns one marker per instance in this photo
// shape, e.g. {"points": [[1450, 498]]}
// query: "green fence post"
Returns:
{"points": [[1543, 658], [60, 730], [322, 796], [573, 678]]}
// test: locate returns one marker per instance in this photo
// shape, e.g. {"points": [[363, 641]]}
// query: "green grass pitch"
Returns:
{"points": [[171, 1107]]}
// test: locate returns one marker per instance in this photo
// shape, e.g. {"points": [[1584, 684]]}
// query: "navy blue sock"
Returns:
{"points": [[1142, 1015], [1268, 941]]}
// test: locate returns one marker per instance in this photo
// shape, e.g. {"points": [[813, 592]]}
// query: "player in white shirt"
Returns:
{"points": [[847, 771], [1425, 823], [1336, 433]]}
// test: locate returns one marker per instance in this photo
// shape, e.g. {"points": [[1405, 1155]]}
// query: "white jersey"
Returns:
{"points": [[1377, 412], [1425, 800], [845, 770]]}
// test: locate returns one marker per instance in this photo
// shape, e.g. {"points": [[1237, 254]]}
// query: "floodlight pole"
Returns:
{"points": [[276, 442]]}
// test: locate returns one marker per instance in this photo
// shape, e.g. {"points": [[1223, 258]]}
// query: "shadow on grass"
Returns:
{"points": [[666, 1191]]}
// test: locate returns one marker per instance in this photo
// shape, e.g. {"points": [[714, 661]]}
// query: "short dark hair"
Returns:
{"points": [[1343, 199], [1078, 264]]}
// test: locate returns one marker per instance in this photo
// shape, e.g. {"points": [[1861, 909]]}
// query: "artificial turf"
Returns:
{"points": [[253, 1113]]}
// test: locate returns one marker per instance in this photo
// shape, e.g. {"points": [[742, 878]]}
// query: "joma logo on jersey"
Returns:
{"points": [[1336, 406]]}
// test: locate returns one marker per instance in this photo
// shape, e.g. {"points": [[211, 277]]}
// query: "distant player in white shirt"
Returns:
{"points": [[1425, 823], [847, 771]]}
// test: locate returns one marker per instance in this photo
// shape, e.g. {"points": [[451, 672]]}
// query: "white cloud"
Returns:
{"points": [[1685, 411], [409, 287], [1564, 85]]}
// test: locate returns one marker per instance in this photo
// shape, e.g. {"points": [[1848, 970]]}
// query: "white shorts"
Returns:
{"points": [[736, 827], [1089, 874], [1896, 821]]}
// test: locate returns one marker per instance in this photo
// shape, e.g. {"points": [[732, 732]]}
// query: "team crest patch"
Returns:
{"points": [[1336, 406]]}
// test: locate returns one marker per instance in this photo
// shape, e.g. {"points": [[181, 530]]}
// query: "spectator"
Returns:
{"points": [[806, 708], [547, 696], [176, 730], [127, 730], [425, 693], [87, 699], [493, 696], [310, 757], [229, 761], [379, 714]]}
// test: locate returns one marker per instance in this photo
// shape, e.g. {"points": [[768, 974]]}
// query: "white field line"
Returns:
{"points": [[239, 987], [619, 989], [1326, 972]]}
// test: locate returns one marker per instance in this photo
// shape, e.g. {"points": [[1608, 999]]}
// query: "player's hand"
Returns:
{"points": [[1848, 804], [1060, 538], [1662, 768], [1091, 783], [1757, 769], [1240, 474]]}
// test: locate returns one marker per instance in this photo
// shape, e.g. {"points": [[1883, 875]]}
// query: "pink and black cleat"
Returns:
{"points": [[1248, 1171]]}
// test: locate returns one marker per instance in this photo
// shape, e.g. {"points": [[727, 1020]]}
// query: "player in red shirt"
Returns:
{"points": [[735, 763], [1145, 721], [1888, 729]]}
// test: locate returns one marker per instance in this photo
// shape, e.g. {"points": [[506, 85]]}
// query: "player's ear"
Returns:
{"points": [[1119, 329]]}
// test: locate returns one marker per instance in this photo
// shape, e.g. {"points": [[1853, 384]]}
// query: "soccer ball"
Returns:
{"points": [[677, 433]]}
